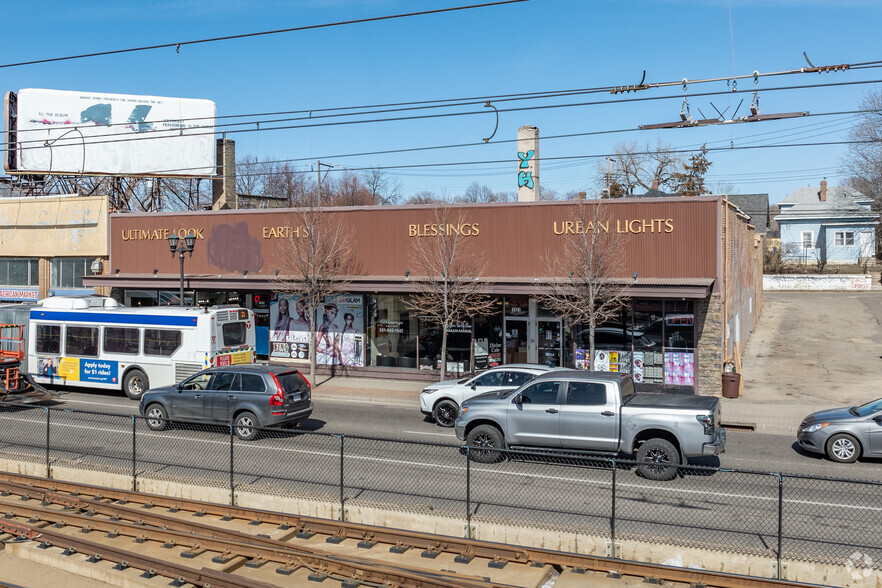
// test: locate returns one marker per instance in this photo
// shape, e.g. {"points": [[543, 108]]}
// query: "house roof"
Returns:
{"points": [[755, 206], [842, 202]]}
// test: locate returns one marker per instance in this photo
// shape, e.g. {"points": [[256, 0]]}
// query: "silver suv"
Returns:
{"points": [[245, 396]]}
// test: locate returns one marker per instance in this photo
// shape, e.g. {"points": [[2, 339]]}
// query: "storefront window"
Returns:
{"points": [[68, 272], [648, 356], [488, 339], [392, 333], [18, 272], [459, 341]]}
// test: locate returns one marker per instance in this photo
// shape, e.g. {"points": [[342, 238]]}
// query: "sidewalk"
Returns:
{"points": [[810, 351]]}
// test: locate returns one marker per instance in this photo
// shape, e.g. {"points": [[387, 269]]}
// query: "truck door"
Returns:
{"points": [[589, 417], [533, 415]]}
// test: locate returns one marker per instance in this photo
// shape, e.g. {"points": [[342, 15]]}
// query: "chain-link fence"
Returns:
{"points": [[808, 518]]}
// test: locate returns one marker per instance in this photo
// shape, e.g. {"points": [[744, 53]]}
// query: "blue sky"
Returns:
{"points": [[534, 46]]}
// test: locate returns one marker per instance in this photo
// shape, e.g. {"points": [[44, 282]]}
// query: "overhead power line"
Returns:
{"points": [[148, 135], [180, 44]]}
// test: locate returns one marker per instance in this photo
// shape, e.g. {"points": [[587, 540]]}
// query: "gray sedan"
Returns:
{"points": [[844, 434]]}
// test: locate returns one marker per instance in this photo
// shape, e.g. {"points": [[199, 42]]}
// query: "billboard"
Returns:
{"points": [[60, 132]]}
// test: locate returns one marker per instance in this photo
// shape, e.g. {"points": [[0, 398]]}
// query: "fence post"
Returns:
{"points": [[468, 492], [134, 458], [780, 519], [342, 500], [232, 488], [48, 470], [612, 521]]}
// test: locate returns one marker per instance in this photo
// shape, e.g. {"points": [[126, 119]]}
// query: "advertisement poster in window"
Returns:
{"points": [[340, 335], [482, 353], [638, 366], [290, 327], [679, 369], [601, 361], [579, 360]]}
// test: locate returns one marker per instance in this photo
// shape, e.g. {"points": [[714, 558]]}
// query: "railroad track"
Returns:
{"points": [[206, 544]]}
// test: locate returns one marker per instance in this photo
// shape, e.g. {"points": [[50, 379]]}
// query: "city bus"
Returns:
{"points": [[95, 342]]}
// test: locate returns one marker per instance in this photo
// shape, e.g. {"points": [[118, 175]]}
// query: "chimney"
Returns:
{"points": [[824, 190], [528, 164], [223, 187]]}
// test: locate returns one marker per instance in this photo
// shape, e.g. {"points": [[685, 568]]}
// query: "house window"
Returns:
{"points": [[68, 272], [843, 238], [808, 239]]}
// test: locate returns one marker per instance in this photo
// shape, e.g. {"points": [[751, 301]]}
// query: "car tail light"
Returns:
{"points": [[277, 399], [708, 421]]}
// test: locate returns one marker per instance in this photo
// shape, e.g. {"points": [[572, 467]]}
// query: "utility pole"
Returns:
{"points": [[319, 169], [608, 159]]}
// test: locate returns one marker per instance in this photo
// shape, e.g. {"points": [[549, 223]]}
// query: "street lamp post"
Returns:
{"points": [[186, 246]]}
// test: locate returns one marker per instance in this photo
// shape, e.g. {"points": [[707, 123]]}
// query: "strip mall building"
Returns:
{"points": [[691, 308]]}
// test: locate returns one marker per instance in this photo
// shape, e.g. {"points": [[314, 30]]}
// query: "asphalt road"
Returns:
{"points": [[744, 450], [823, 520]]}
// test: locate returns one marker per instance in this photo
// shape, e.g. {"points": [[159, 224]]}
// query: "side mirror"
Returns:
{"points": [[474, 385], [517, 399], [878, 420]]}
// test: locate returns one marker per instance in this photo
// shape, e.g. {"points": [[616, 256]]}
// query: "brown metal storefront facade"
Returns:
{"points": [[673, 244]]}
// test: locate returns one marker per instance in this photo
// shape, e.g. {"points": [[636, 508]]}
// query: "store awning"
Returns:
{"points": [[641, 288]]}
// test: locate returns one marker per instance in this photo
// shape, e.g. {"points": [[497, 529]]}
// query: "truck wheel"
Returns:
{"points": [[445, 413], [135, 384], [656, 457], [843, 448], [244, 426], [157, 417], [481, 440]]}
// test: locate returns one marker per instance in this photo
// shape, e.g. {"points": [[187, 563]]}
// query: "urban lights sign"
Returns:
{"points": [[634, 226]]}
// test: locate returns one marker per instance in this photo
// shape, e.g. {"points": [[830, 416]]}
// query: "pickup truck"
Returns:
{"points": [[596, 413]]}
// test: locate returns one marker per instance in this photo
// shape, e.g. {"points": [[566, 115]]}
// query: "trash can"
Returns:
{"points": [[731, 384]]}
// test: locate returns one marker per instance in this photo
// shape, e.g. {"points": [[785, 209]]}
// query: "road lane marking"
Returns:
{"points": [[427, 433]]}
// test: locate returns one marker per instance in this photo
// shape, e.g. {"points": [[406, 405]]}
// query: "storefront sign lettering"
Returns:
{"points": [[285, 232], [158, 234], [433, 230], [636, 226]]}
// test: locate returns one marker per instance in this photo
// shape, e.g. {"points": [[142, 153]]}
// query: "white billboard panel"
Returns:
{"points": [[61, 132]]}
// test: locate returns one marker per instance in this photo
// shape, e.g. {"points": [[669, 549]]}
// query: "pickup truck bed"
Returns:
{"points": [[662, 401]]}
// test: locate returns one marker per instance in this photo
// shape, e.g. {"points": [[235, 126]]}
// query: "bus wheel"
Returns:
{"points": [[135, 384]]}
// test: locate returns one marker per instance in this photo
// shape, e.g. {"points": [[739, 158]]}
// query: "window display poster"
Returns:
{"points": [[638, 367], [680, 368], [607, 361], [482, 353], [340, 334], [601, 361], [579, 360], [290, 327]]}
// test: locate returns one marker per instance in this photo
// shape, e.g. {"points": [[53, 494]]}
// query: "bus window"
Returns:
{"points": [[234, 334], [81, 341], [48, 338], [120, 340], [161, 342]]}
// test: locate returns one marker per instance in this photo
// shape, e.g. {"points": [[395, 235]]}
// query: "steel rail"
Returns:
{"points": [[229, 544], [125, 558], [466, 548]]}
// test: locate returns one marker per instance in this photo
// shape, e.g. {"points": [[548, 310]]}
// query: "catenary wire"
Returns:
{"points": [[180, 44]]}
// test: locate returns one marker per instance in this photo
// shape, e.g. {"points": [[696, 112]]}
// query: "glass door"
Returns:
{"points": [[549, 342], [515, 340]]}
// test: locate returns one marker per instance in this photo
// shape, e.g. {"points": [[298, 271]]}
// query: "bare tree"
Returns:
{"points": [[634, 169], [447, 275], [424, 197], [383, 188], [586, 272], [315, 259], [864, 162]]}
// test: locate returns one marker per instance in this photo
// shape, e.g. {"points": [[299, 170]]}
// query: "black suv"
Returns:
{"points": [[246, 396]]}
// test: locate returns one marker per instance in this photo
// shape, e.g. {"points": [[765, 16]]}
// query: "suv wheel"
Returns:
{"points": [[482, 440], [244, 426], [445, 413], [157, 417]]}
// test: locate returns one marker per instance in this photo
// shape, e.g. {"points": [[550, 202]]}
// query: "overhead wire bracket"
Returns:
{"points": [[631, 88]]}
